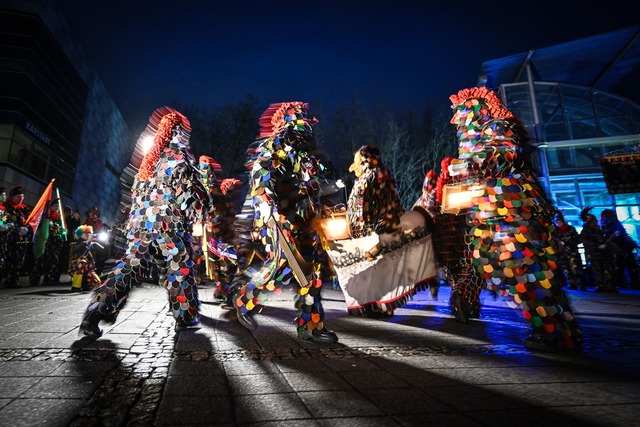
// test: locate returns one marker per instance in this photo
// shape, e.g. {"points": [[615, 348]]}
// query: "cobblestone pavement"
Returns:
{"points": [[419, 367]]}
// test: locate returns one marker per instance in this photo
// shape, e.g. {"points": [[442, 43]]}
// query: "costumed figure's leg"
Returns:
{"points": [[310, 318], [78, 271], [180, 281], [91, 279], [466, 287], [272, 277], [524, 263], [108, 299]]}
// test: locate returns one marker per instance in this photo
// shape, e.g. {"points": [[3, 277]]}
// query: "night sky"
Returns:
{"points": [[211, 53]]}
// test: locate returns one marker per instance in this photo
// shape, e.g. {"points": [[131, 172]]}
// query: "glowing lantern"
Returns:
{"points": [[336, 227], [197, 229], [459, 197]]}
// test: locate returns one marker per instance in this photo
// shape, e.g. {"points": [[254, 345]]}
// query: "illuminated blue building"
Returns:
{"points": [[570, 97]]}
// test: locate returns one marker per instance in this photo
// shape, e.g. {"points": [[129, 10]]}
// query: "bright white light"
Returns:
{"points": [[198, 230], [103, 236], [339, 183], [147, 143], [336, 228]]}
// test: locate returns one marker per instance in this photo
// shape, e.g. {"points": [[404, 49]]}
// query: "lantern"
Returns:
{"points": [[460, 197], [336, 226]]}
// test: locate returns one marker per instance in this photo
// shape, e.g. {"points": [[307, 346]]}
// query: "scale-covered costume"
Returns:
{"points": [[284, 199], [219, 232], [167, 198], [510, 219], [374, 204]]}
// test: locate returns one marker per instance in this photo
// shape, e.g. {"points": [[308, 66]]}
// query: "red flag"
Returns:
{"points": [[38, 209]]}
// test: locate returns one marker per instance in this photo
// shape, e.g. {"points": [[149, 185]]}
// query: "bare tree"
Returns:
{"points": [[403, 162], [225, 132], [234, 127], [410, 149], [350, 128]]}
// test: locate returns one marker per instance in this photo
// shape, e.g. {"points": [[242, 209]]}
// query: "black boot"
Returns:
{"points": [[460, 310], [247, 319], [89, 326], [322, 336], [183, 324]]}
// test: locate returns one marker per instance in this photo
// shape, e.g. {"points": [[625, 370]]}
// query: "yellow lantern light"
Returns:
{"points": [[460, 197], [336, 227], [197, 229]]}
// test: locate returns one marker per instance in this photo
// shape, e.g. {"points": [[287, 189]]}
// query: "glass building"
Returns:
{"points": [[57, 120], [567, 97]]}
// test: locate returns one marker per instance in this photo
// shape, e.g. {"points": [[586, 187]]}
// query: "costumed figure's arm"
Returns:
{"points": [[355, 207], [264, 230]]}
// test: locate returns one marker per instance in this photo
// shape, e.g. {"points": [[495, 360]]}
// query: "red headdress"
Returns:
{"points": [[278, 115], [492, 101], [165, 120]]}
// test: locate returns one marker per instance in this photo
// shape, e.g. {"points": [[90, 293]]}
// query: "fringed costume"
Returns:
{"points": [[282, 202], [387, 256], [219, 232], [167, 199], [82, 267], [510, 218], [374, 204]]}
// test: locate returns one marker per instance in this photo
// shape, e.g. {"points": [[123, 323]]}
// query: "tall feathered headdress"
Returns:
{"points": [[284, 114], [164, 120]]}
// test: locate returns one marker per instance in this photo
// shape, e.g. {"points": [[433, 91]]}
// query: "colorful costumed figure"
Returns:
{"points": [[284, 198], [381, 253], [82, 266], [167, 199], [452, 248], [374, 208], [374, 204], [221, 263], [510, 219], [48, 247]]}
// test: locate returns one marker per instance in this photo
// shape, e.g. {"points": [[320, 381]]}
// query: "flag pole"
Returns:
{"points": [[205, 247], [64, 221]]}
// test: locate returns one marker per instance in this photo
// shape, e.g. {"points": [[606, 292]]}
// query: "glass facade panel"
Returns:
{"points": [[44, 100]]}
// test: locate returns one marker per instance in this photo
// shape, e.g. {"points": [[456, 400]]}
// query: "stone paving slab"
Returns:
{"points": [[417, 368]]}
